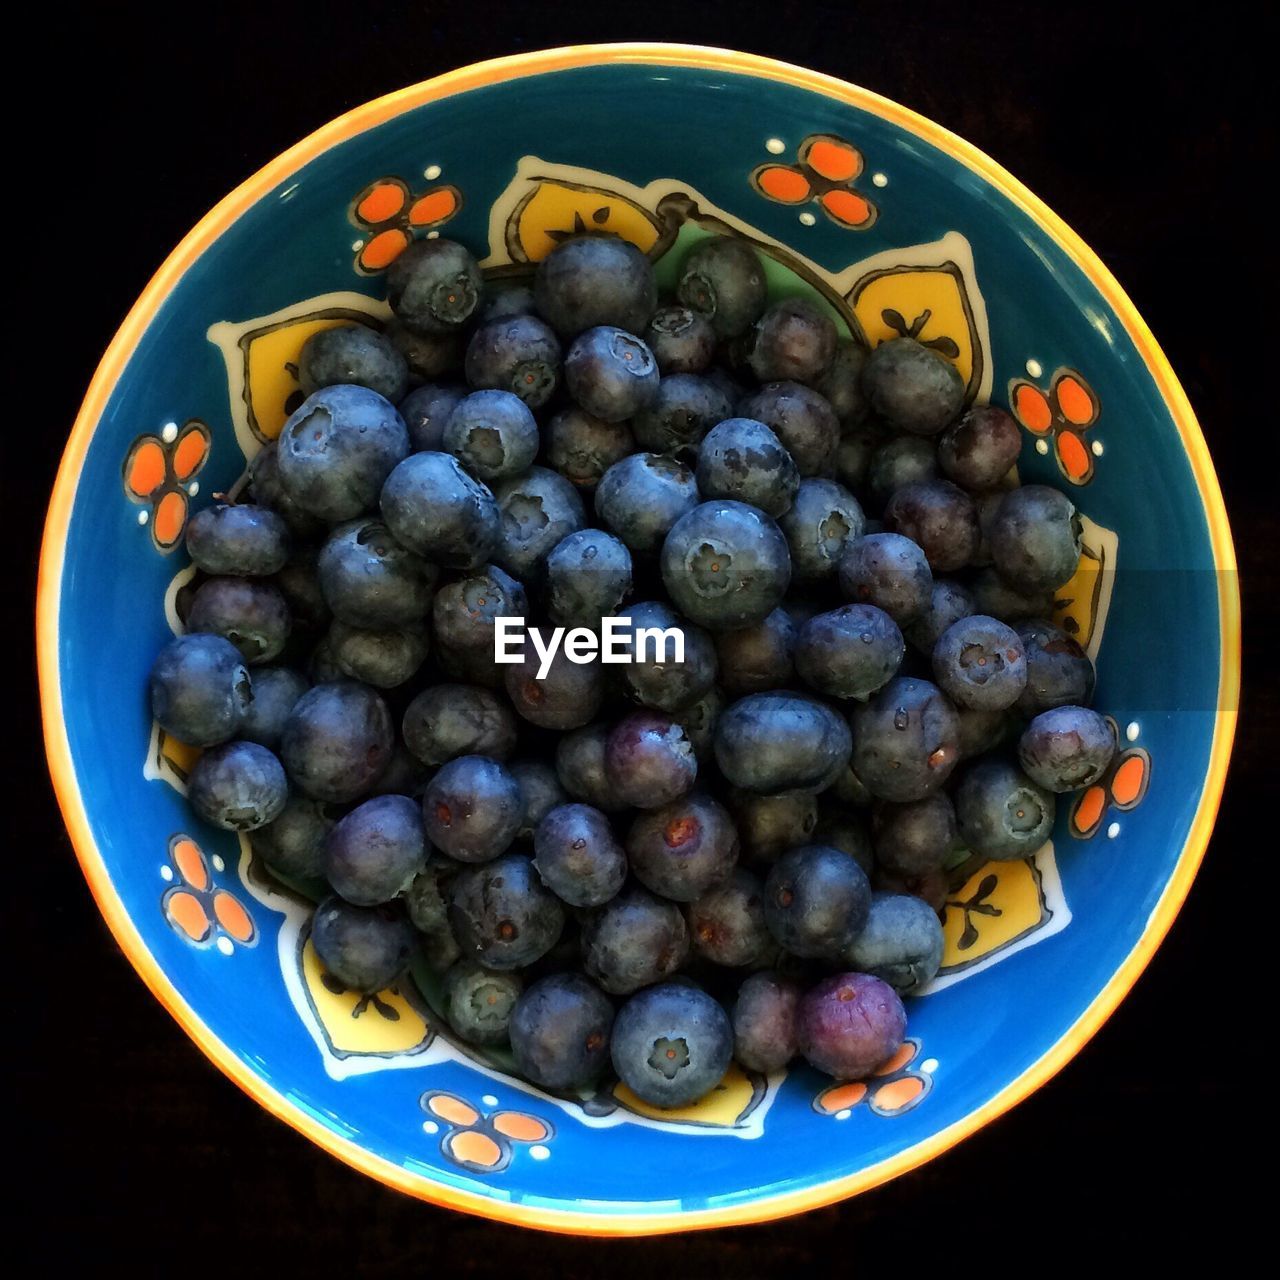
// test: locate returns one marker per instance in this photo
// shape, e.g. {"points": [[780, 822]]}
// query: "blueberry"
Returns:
{"points": [[238, 786], [731, 388], [758, 658], [672, 1044], [948, 603], [337, 740], [979, 450], [384, 658], [610, 373], [473, 666], [725, 565], [765, 1034], [805, 423], [537, 509], [850, 652], [699, 719], [560, 1032], [493, 434], [405, 775], [433, 507], [979, 662], [890, 572], [981, 731], [743, 459], [322, 666], [649, 760], [1066, 748], [682, 340], [580, 767], [502, 914], [939, 518], [519, 354], [450, 720], [900, 462], [582, 447], [426, 411], [374, 853], [249, 612], [276, 691], [847, 831], [653, 676], [1035, 538], [1058, 669], [850, 1024], [769, 825], [293, 841], [370, 580], [901, 943], [427, 903], [540, 792], [588, 575], [267, 490], [238, 540], [906, 740], [365, 948], [722, 279], [472, 808], [726, 924], [1001, 812], [841, 383], [633, 940], [434, 286], [337, 449], [793, 341], [514, 298], [987, 505], [299, 583], [353, 355], [595, 280], [567, 697], [680, 415], [917, 837], [997, 599], [479, 1002], [932, 888], [853, 457], [463, 612], [430, 356], [823, 520], [912, 387], [683, 849], [578, 857], [816, 900], [772, 742], [200, 689], [640, 497], [848, 788]]}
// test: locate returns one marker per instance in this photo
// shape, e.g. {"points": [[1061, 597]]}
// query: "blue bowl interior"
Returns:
{"points": [[977, 1035]]}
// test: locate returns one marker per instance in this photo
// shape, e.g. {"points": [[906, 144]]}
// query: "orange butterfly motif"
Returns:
{"points": [[824, 172]]}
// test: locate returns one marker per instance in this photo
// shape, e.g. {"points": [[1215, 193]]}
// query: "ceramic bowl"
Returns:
{"points": [[896, 226]]}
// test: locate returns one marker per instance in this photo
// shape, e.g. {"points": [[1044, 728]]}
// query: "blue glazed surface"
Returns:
{"points": [[1158, 665]]}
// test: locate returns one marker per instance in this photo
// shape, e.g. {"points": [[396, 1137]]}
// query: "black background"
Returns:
{"points": [[1150, 136]]}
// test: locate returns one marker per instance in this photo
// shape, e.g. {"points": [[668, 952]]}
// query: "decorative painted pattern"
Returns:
{"points": [[196, 907], [481, 1141], [1059, 417], [893, 1090], [1122, 788], [159, 474], [392, 215], [823, 173]]}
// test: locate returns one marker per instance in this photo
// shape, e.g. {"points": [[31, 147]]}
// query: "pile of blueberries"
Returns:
{"points": [[659, 865]]}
